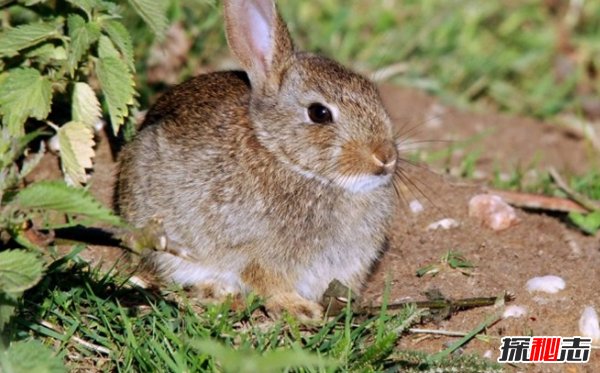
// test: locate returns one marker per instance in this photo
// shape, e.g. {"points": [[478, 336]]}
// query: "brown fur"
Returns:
{"points": [[253, 196]]}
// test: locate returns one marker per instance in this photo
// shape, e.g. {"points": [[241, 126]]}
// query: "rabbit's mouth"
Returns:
{"points": [[362, 183]]}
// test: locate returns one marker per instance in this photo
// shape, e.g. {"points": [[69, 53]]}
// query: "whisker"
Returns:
{"points": [[417, 185]]}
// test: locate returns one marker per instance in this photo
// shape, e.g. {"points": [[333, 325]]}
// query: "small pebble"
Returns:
{"points": [[446, 223], [548, 284], [488, 354], [589, 325], [514, 311], [492, 211], [415, 206], [99, 125], [53, 144]]}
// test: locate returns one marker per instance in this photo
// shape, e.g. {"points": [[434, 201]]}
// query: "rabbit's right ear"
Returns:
{"points": [[259, 40]]}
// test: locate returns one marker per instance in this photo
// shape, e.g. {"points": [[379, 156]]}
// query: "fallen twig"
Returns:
{"points": [[337, 296], [538, 202], [577, 197], [84, 343], [449, 333]]}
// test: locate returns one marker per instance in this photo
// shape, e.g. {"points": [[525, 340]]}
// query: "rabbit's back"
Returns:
{"points": [[188, 130]]}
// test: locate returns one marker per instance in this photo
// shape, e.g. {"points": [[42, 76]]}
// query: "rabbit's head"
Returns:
{"points": [[316, 116]]}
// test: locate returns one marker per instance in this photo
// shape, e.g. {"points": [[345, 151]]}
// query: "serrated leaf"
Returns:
{"points": [[24, 93], [17, 38], [48, 53], [121, 39], [83, 34], [8, 305], [117, 85], [76, 141], [86, 5], [106, 48], [153, 13], [19, 270], [58, 196], [30, 357], [85, 107]]}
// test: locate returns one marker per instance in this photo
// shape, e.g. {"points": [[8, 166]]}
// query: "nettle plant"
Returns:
{"points": [[65, 66]]}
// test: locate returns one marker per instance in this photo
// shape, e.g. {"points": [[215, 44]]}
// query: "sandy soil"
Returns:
{"points": [[539, 245]]}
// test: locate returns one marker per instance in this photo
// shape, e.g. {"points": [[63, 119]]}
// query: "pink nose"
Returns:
{"points": [[385, 156]]}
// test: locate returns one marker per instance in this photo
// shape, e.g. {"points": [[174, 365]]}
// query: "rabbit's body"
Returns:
{"points": [[246, 210]]}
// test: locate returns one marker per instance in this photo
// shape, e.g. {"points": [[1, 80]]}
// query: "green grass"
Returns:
{"points": [[101, 322], [504, 54]]}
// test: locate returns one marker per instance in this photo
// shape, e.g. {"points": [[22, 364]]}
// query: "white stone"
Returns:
{"points": [[548, 284], [415, 206], [446, 223], [589, 325], [514, 311]]}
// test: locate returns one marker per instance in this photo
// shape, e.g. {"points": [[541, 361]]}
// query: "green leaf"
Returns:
{"points": [[8, 306], [86, 5], [117, 85], [106, 48], [76, 142], [589, 223], [24, 93], [153, 13], [19, 270], [83, 34], [85, 107], [17, 38], [30, 357], [58, 196], [120, 37], [48, 53]]}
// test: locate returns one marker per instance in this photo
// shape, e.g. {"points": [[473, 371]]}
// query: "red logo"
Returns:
{"points": [[545, 349]]}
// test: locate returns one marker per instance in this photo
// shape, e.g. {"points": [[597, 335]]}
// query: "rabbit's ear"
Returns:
{"points": [[259, 40]]}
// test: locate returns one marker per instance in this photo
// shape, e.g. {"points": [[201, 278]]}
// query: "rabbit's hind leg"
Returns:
{"points": [[280, 294]]}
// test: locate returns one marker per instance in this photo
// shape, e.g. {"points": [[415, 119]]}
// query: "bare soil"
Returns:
{"points": [[540, 244]]}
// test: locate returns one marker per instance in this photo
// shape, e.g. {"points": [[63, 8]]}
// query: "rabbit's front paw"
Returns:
{"points": [[303, 309]]}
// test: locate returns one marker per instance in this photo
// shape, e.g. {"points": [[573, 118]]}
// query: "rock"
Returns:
{"points": [[492, 211], [548, 284], [415, 206], [589, 325], [446, 223], [514, 311]]}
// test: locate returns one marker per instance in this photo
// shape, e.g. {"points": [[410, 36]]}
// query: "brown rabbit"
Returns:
{"points": [[277, 182]]}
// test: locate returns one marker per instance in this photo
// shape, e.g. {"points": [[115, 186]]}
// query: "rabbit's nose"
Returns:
{"points": [[385, 157]]}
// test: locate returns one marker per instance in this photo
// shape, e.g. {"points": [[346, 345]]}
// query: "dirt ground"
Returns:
{"points": [[539, 245]]}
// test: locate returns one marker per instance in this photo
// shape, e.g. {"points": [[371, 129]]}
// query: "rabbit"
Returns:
{"points": [[276, 180]]}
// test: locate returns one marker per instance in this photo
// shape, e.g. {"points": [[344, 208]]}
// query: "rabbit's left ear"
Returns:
{"points": [[258, 39]]}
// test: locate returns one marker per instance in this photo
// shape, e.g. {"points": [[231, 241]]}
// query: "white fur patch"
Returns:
{"points": [[187, 273], [362, 183]]}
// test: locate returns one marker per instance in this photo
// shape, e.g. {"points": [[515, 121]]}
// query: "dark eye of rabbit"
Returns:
{"points": [[319, 114]]}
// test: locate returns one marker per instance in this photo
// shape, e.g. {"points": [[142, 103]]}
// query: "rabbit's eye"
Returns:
{"points": [[319, 114]]}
